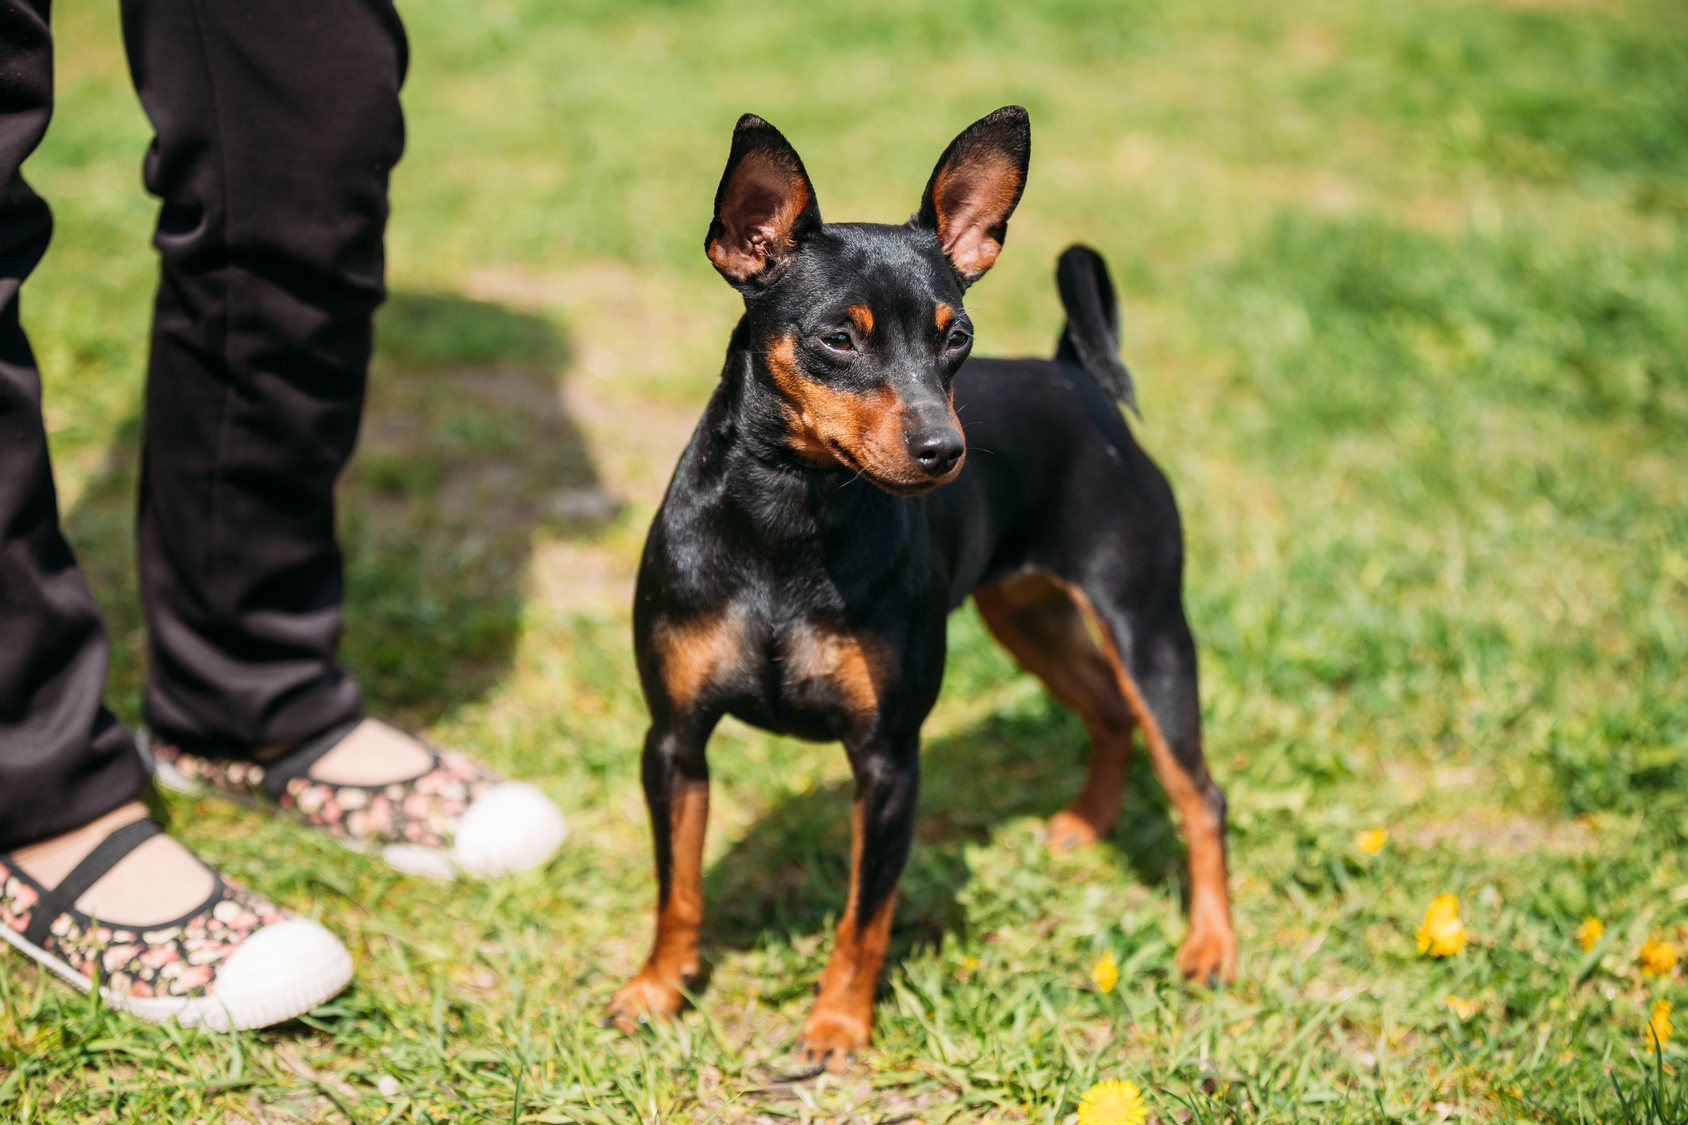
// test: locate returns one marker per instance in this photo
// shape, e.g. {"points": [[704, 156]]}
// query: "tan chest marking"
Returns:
{"points": [[697, 652], [860, 669]]}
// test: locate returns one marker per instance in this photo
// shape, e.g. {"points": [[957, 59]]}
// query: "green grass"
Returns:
{"points": [[1404, 290]]}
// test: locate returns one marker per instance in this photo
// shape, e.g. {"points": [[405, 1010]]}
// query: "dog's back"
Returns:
{"points": [[1050, 459]]}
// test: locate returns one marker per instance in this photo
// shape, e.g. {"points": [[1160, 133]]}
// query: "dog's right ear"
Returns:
{"points": [[764, 208]]}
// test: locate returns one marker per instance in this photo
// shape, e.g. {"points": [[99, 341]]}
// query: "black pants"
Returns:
{"points": [[277, 125]]}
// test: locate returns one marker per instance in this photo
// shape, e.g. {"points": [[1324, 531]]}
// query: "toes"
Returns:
{"points": [[625, 1022], [624, 1015], [1068, 830], [1197, 969], [641, 1001], [1209, 958], [830, 1041], [808, 1068], [824, 1056]]}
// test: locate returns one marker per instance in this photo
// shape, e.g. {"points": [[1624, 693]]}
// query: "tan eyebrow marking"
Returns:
{"points": [[945, 315], [862, 316]]}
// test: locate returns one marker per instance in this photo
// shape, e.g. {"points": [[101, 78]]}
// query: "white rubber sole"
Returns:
{"points": [[512, 827], [282, 971]]}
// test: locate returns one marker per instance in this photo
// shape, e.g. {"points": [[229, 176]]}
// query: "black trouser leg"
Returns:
{"points": [[277, 125], [63, 759]]}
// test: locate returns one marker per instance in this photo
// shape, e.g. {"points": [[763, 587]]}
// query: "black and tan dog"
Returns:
{"points": [[828, 515]]}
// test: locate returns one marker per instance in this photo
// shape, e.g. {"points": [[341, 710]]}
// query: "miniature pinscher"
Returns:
{"points": [[854, 477]]}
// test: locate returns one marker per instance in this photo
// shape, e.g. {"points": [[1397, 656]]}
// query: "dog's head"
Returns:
{"points": [[861, 326]]}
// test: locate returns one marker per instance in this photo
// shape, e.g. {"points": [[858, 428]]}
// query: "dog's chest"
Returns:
{"points": [[809, 676], [814, 678]]}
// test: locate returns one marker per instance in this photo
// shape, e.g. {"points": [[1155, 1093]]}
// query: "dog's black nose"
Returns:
{"points": [[937, 448]]}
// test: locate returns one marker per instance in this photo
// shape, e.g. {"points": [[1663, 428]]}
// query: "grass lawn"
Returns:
{"points": [[1405, 289]]}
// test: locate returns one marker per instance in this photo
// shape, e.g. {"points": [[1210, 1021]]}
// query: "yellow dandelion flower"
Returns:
{"points": [[1658, 1028], [1105, 973], [1442, 934], [1371, 841], [1591, 930], [1657, 958], [1464, 1009], [1112, 1103]]}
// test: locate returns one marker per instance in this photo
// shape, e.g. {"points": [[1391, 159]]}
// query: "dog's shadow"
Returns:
{"points": [[788, 877]]}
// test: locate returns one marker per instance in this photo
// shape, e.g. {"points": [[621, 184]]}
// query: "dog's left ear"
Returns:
{"points": [[975, 188], [764, 208]]}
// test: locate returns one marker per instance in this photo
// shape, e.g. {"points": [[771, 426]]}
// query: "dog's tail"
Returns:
{"points": [[1091, 336]]}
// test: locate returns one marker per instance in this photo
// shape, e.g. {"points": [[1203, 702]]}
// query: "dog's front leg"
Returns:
{"points": [[676, 776], [882, 827]]}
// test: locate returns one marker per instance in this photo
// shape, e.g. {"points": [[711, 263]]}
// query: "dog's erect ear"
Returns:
{"points": [[975, 188], [764, 207]]}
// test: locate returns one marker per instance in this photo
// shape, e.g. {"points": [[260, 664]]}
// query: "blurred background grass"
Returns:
{"points": [[1403, 287]]}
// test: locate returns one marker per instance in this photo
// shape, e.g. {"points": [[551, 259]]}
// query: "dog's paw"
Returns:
{"points": [[1069, 831], [1209, 955], [829, 1039], [644, 998]]}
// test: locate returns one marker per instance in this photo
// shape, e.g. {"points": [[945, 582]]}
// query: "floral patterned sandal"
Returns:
{"points": [[234, 961], [455, 817]]}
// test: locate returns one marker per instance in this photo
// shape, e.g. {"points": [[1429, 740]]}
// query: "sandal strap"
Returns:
{"points": [[95, 864], [298, 761]]}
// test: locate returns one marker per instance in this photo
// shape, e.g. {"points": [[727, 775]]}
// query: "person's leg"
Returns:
{"points": [[75, 845], [276, 130], [63, 759]]}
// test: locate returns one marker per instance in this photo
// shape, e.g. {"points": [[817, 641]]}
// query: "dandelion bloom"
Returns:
{"points": [[1658, 1028], [1442, 933], [1657, 958], [1590, 932], [1105, 973], [1464, 1009], [1371, 841], [1112, 1103]]}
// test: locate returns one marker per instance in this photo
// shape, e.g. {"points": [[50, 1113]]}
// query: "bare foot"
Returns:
{"points": [[373, 754], [157, 882], [1069, 830]]}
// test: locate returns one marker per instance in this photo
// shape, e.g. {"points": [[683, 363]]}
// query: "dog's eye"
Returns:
{"points": [[839, 342], [957, 339]]}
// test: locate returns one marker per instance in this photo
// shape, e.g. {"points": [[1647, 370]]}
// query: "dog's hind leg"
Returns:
{"points": [[1143, 674], [1153, 656], [1039, 622], [676, 777], [882, 828]]}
